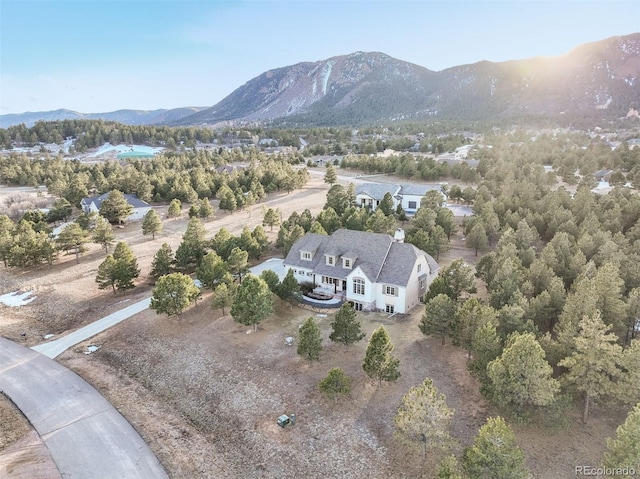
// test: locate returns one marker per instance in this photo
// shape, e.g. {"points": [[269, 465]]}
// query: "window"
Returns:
{"points": [[358, 286], [423, 283], [327, 280], [346, 263], [330, 260], [306, 255], [390, 290], [357, 306], [419, 267], [412, 205], [389, 308]]}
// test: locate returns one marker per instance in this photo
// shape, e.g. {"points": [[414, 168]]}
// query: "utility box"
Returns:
{"points": [[285, 420]]}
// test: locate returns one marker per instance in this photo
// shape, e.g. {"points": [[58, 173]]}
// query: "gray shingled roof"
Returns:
{"points": [[418, 190], [380, 259], [133, 200], [376, 190]]}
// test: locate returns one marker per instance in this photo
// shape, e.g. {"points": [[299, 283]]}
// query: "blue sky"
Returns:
{"points": [[104, 55]]}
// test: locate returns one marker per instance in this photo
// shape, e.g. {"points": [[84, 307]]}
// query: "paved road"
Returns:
{"points": [[54, 348], [85, 434]]}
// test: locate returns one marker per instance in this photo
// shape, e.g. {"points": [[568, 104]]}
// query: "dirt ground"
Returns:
{"points": [[204, 392]]}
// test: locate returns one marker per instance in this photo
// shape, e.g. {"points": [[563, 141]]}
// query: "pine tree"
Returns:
{"points": [[73, 237], [335, 383], [223, 296], [271, 218], [628, 386], [238, 262], [253, 302], [126, 266], [115, 207], [107, 274], [378, 362], [386, 204], [521, 376], [271, 278], [594, 365], [424, 418], [193, 246], [289, 288], [173, 293], [205, 210], [103, 233], [460, 278], [330, 176], [494, 453], [469, 318], [624, 450], [438, 317], [211, 270], [477, 238], [345, 326], [175, 208], [151, 224], [162, 262], [449, 468], [309, 340]]}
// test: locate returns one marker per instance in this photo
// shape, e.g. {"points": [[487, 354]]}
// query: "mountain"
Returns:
{"points": [[128, 117], [600, 79], [593, 81]]}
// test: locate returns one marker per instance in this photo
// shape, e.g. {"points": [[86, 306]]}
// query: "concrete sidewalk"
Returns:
{"points": [[85, 434]]}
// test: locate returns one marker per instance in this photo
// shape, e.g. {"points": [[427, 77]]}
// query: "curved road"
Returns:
{"points": [[85, 434]]}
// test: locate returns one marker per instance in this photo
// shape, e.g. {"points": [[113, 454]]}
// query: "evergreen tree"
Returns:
{"points": [[477, 238], [521, 376], [460, 278], [115, 207], [345, 326], [238, 262], [594, 365], [438, 317], [378, 362], [289, 288], [173, 293], [73, 237], [449, 468], [253, 302], [424, 418], [272, 279], [103, 233], [193, 246], [223, 296], [486, 347], [126, 266], [494, 453], [175, 208], [386, 204], [107, 274], [317, 228], [151, 224], [205, 210], [624, 450], [60, 211], [628, 385], [330, 176], [335, 383], [309, 340], [162, 263], [469, 318], [211, 270], [271, 218]]}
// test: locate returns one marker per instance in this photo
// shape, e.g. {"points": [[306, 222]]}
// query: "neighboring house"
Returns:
{"points": [[229, 168], [374, 271], [140, 208], [371, 194], [602, 175]]}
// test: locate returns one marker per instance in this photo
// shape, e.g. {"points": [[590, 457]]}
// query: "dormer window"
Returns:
{"points": [[331, 260], [346, 263], [306, 255]]}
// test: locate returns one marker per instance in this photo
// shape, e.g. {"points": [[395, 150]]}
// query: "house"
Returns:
{"points": [[370, 195], [140, 208], [374, 271], [230, 168], [602, 175]]}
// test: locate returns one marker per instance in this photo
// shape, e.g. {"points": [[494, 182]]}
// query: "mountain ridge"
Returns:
{"points": [[594, 80]]}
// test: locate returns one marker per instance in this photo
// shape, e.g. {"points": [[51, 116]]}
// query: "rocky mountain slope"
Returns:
{"points": [[596, 80]]}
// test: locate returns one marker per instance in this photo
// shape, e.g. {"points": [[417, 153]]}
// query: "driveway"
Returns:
{"points": [[53, 349], [85, 434]]}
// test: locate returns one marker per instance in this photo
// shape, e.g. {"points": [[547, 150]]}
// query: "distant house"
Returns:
{"points": [[140, 208], [370, 195], [603, 175], [372, 270], [230, 168]]}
